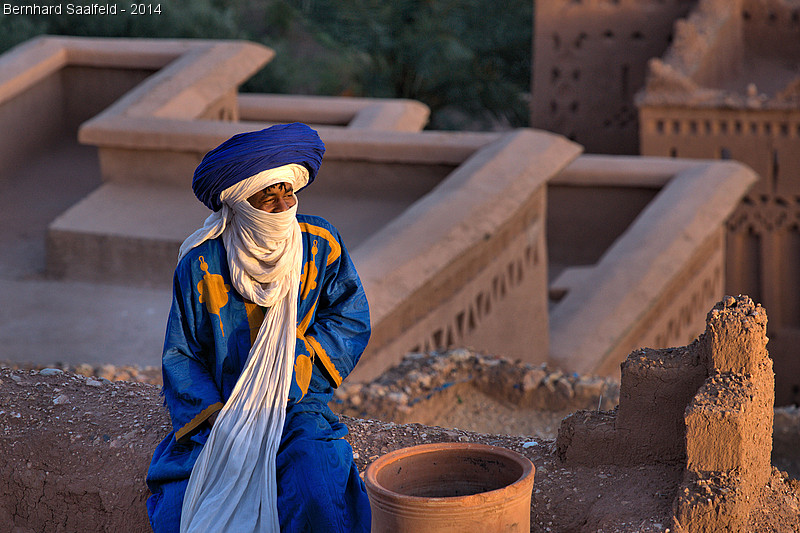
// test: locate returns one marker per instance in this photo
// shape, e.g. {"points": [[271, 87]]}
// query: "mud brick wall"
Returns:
{"points": [[707, 406], [655, 389], [729, 421], [648, 425]]}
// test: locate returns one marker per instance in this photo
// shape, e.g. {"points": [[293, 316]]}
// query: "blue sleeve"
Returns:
{"points": [[340, 330], [190, 391]]}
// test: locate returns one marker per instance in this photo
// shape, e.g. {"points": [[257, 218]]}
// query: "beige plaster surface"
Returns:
{"points": [[446, 233], [44, 172], [478, 193], [462, 234], [49, 322], [161, 213], [45, 321], [35, 191], [356, 113], [179, 109], [587, 325], [93, 239]]}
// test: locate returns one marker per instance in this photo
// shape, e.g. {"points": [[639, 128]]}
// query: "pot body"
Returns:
{"points": [[450, 487]]}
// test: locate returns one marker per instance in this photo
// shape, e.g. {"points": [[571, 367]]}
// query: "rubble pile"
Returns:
{"points": [[423, 382]]}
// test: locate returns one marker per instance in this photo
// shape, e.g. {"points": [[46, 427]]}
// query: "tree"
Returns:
{"points": [[469, 60], [205, 19]]}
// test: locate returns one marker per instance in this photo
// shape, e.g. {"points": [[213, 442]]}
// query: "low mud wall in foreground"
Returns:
{"points": [[687, 448]]}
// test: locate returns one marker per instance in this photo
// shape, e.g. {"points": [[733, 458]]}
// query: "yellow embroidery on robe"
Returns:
{"points": [[213, 292], [309, 276], [303, 366], [303, 325], [255, 317], [195, 422], [325, 359], [336, 248], [316, 350]]}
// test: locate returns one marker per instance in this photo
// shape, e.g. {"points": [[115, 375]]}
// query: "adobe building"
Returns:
{"points": [[94, 258], [590, 59], [488, 240], [727, 87]]}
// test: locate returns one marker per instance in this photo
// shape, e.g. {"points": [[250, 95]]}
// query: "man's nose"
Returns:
{"points": [[282, 205]]}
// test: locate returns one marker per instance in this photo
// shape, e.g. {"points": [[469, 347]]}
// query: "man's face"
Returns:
{"points": [[276, 198]]}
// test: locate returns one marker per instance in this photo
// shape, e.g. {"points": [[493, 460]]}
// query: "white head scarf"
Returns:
{"points": [[254, 239], [233, 483]]}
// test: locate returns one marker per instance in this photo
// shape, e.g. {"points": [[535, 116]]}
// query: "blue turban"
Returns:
{"points": [[246, 154]]}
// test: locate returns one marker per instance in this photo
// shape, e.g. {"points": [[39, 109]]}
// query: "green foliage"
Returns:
{"points": [[206, 19], [279, 17], [305, 62], [15, 30], [468, 60], [313, 71]]}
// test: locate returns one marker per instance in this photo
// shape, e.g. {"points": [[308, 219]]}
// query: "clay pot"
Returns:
{"points": [[452, 487]]}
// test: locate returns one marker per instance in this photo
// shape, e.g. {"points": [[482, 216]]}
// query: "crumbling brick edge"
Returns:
{"points": [[707, 406]]}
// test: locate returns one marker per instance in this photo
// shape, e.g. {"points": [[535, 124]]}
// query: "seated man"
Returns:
{"points": [[268, 316]]}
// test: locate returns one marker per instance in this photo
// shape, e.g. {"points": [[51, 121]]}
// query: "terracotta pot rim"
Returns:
{"points": [[518, 486]]}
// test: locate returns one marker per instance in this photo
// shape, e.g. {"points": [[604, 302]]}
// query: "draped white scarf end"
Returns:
{"points": [[233, 484]]}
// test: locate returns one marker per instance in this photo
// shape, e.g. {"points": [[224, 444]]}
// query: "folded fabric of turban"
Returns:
{"points": [[246, 154]]}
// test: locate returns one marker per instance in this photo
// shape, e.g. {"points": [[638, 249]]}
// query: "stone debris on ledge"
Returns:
{"points": [[107, 372], [422, 379], [456, 388]]}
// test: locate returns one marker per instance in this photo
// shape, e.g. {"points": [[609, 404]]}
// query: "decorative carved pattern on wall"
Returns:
{"points": [[689, 317], [767, 141], [579, 42], [482, 303], [764, 214]]}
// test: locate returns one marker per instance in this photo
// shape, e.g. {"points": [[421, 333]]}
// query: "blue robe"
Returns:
{"points": [[209, 334]]}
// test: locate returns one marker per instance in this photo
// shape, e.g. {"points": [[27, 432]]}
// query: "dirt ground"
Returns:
{"points": [[74, 452]]}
